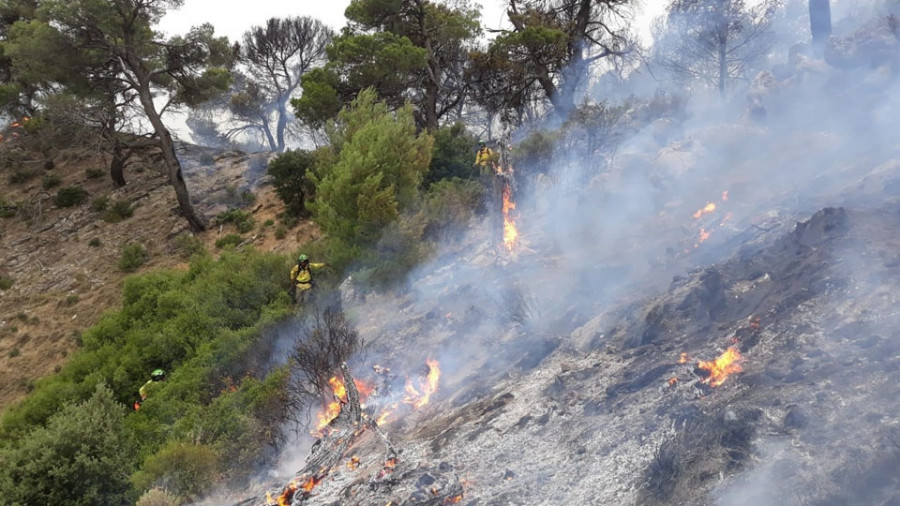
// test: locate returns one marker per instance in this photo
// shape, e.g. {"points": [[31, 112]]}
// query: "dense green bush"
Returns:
{"points": [[133, 256], [118, 211], [22, 176], [93, 173], [453, 155], [242, 220], [70, 196], [94, 243], [214, 414], [188, 245], [6, 282], [290, 173], [229, 240], [451, 204], [51, 181], [100, 204]]}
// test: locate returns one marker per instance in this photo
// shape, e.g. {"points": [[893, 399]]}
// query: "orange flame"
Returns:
{"points": [[708, 208], [510, 233], [704, 235], [353, 463], [420, 397], [333, 408], [453, 500], [725, 196], [310, 483], [719, 369], [673, 381], [683, 358]]}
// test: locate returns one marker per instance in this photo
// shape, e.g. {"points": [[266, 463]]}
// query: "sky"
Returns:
{"points": [[234, 17]]}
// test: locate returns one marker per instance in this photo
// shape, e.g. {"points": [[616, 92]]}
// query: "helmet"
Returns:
{"points": [[481, 142], [158, 375], [303, 258]]}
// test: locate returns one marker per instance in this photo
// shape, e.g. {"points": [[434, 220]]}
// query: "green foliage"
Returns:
{"points": [[185, 468], [242, 220], [7, 210], [133, 256], [120, 210], [94, 243], [375, 173], [189, 245], [100, 204], [268, 223], [71, 299], [290, 173], [70, 196], [450, 204], [51, 181], [213, 414], [13, 353], [83, 456], [158, 497], [94, 173], [22, 176], [453, 155], [229, 240], [280, 232], [6, 282]]}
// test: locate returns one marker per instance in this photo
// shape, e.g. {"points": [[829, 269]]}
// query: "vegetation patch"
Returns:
{"points": [[229, 240], [6, 282], [242, 220], [94, 173], [22, 176], [133, 256], [70, 196], [51, 181], [94, 243], [119, 210]]}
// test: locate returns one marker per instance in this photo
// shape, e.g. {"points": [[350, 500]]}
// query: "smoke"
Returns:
{"points": [[603, 229]]}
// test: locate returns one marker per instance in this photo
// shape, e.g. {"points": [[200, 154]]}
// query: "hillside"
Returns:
{"points": [[62, 281]]}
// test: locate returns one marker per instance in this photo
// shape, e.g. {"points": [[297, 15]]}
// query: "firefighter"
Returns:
{"points": [[155, 376], [484, 158], [301, 277]]}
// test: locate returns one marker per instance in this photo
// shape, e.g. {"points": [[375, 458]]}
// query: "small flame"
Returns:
{"points": [[719, 369], [510, 233], [333, 408], [353, 463], [704, 235], [673, 381], [708, 208], [420, 397], [683, 358], [311, 483], [725, 196], [453, 500]]}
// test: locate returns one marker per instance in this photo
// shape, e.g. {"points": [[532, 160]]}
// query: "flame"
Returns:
{"points": [[708, 208], [719, 369], [15, 125], [673, 381], [453, 500], [725, 196], [510, 233], [420, 397], [704, 235], [310, 483], [353, 463], [333, 408], [683, 358]]}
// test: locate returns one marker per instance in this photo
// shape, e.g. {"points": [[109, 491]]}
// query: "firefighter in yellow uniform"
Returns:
{"points": [[301, 277], [484, 158], [156, 376]]}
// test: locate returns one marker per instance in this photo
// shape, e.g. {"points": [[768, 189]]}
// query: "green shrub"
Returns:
{"points": [[229, 240], [280, 232], [70, 196], [7, 210], [13, 353], [94, 243], [158, 497], [6, 282], [187, 469], [268, 223], [72, 299], [94, 173], [83, 447], [451, 203], [288, 220], [453, 155], [22, 316], [133, 256], [189, 245], [22, 176], [243, 220], [244, 226], [290, 173], [100, 204], [51, 181], [118, 211]]}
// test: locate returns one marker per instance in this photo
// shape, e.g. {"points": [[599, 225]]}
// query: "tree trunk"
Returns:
{"points": [[117, 167], [819, 22], [282, 123], [173, 166], [723, 67], [269, 137]]}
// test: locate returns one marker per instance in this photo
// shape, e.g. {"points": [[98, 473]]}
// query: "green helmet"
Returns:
{"points": [[158, 374], [303, 258], [481, 142]]}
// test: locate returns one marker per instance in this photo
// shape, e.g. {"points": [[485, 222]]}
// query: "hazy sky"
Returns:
{"points": [[234, 17]]}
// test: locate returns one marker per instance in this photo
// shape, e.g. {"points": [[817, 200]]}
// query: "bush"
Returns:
{"points": [[7, 210], [51, 181], [229, 240], [6, 282], [22, 176], [158, 497], [280, 232], [100, 204], [94, 173], [133, 256], [189, 245], [13, 353], [70, 196], [451, 203], [268, 223], [120, 210], [453, 155], [72, 299], [94, 243], [243, 220], [290, 177], [187, 469]]}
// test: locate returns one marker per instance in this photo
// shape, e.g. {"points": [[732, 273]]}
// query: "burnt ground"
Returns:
{"points": [[528, 416]]}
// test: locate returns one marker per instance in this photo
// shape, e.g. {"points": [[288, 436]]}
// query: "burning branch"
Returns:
{"points": [[719, 369]]}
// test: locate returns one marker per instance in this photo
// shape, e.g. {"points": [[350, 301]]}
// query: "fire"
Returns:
{"points": [[708, 208], [453, 500], [683, 358], [704, 235], [310, 483], [419, 397], [510, 233], [353, 463], [719, 369], [333, 408], [673, 381]]}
